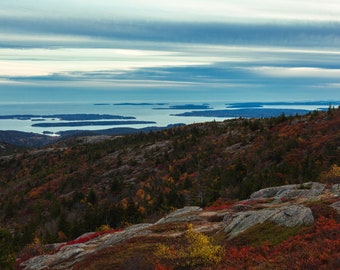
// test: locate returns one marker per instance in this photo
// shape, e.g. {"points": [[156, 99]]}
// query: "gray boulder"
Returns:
{"points": [[186, 214], [128, 233], [336, 206], [271, 192], [308, 190], [336, 190], [289, 216]]}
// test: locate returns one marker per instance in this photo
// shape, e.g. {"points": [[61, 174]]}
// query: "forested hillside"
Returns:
{"points": [[58, 192]]}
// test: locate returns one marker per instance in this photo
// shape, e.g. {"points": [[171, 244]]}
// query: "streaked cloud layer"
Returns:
{"points": [[280, 49]]}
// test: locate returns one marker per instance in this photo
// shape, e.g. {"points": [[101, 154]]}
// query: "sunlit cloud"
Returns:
{"points": [[307, 72], [42, 62], [176, 10]]}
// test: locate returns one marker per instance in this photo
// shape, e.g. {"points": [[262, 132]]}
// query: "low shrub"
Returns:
{"points": [[196, 250]]}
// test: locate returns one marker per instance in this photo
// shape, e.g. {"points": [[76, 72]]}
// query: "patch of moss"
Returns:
{"points": [[136, 253], [266, 232], [305, 186], [169, 227], [220, 238]]}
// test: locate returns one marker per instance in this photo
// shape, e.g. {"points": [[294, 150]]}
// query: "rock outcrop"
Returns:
{"points": [[289, 216], [308, 190], [186, 214], [68, 255], [285, 206]]}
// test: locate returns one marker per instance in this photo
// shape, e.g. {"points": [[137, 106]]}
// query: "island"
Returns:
{"points": [[185, 107], [246, 113], [139, 104], [91, 123], [281, 103], [65, 117]]}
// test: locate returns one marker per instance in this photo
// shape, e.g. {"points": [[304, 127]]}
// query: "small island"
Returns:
{"points": [[280, 103], [65, 117], [91, 123], [246, 113], [139, 104], [186, 107]]}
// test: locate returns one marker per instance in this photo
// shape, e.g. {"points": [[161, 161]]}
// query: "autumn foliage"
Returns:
{"points": [[196, 250], [317, 248]]}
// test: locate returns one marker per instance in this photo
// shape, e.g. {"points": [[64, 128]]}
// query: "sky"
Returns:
{"points": [[236, 50]]}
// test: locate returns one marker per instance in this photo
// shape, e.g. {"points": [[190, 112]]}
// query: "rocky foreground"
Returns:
{"points": [[289, 206]]}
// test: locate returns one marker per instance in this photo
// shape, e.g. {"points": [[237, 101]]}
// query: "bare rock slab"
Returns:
{"points": [[289, 216]]}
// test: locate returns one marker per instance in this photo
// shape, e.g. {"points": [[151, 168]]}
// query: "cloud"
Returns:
{"points": [[43, 62], [200, 45], [300, 34], [297, 72], [180, 65], [178, 10]]}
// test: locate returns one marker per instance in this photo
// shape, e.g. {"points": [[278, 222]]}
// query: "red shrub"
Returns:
{"points": [[317, 249], [220, 204]]}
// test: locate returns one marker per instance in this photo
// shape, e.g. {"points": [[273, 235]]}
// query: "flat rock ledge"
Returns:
{"points": [[186, 214], [289, 216], [69, 255], [309, 190]]}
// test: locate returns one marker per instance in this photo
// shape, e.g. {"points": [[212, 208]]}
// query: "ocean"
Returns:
{"points": [[43, 116]]}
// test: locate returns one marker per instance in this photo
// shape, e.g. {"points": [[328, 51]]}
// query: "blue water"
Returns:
{"points": [[142, 111]]}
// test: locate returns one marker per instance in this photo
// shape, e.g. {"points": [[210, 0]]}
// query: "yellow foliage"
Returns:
{"points": [[62, 236], [335, 170], [104, 227], [140, 194], [124, 202], [332, 175], [141, 209], [171, 180], [36, 241], [148, 198], [197, 250]]}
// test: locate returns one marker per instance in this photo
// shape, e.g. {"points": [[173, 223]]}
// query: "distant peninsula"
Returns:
{"points": [[247, 113], [65, 117], [91, 123], [186, 107], [280, 103], [139, 104]]}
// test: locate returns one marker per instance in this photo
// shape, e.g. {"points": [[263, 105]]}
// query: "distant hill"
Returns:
{"points": [[29, 139], [25, 139]]}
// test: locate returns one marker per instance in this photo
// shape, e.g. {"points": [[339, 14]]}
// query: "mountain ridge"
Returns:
{"points": [[58, 192]]}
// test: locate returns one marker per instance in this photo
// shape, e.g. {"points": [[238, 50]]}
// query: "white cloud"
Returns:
{"points": [[73, 62], [178, 10], [18, 38], [302, 72], [43, 62], [328, 85]]}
